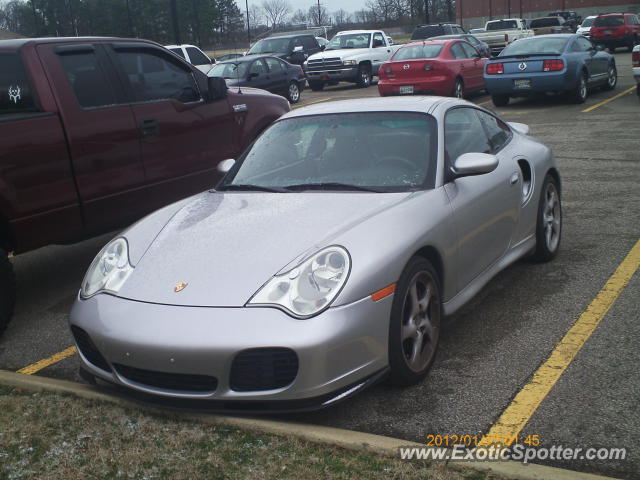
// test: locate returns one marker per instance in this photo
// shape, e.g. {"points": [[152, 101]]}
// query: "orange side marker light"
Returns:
{"points": [[383, 292]]}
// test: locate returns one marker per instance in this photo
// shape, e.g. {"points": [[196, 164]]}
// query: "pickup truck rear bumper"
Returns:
{"points": [[349, 74]]}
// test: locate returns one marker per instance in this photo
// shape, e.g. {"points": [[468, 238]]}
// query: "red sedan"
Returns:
{"points": [[435, 67]]}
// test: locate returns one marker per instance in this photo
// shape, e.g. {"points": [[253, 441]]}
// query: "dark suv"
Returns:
{"points": [[423, 32], [292, 48]]}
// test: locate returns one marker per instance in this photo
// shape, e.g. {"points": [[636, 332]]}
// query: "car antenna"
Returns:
{"points": [[235, 49]]}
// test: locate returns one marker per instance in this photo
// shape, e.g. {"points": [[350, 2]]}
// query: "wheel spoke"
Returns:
{"points": [[409, 330], [548, 231], [423, 302], [426, 327], [413, 295], [416, 349]]}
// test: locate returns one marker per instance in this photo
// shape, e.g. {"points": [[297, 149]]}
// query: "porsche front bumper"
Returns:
{"points": [[192, 353]]}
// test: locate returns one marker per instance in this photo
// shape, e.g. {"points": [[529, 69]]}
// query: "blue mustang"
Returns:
{"points": [[549, 63]]}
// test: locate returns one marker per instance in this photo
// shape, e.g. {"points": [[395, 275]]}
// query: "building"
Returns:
{"points": [[474, 13]]}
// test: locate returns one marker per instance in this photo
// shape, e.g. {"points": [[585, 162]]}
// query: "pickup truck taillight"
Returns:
{"points": [[635, 59], [495, 68], [552, 65]]}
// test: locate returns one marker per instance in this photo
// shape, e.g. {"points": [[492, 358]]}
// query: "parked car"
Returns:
{"points": [[500, 33], [635, 61], [263, 71], [351, 56], [259, 296], [294, 49], [193, 55], [548, 25], [323, 42], [616, 30], [571, 18], [423, 32], [567, 63], [433, 67], [95, 133], [585, 26], [229, 56], [481, 47]]}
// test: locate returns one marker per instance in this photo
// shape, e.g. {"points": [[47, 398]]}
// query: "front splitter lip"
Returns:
{"points": [[239, 407]]}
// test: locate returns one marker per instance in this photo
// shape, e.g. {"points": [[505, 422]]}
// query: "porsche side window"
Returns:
{"points": [[464, 133], [499, 134]]}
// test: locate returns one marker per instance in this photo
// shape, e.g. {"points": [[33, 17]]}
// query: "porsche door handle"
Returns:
{"points": [[514, 179]]}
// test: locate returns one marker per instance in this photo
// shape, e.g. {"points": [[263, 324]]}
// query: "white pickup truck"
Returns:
{"points": [[351, 56], [500, 33]]}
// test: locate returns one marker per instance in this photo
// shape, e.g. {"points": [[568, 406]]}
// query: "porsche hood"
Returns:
{"points": [[219, 248]]}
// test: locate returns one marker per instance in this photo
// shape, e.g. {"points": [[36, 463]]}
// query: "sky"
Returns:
{"points": [[330, 5]]}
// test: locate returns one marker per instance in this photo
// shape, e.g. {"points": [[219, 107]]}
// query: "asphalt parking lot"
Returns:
{"points": [[489, 350]]}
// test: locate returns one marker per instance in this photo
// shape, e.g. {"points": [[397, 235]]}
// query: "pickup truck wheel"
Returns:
{"points": [[580, 93], [632, 43], [293, 92], [316, 86], [364, 76], [500, 100], [8, 289]]}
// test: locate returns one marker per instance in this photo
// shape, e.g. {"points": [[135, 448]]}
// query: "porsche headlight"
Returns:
{"points": [[310, 287], [109, 270]]}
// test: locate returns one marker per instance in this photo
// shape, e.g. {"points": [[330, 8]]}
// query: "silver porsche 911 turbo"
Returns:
{"points": [[324, 260]]}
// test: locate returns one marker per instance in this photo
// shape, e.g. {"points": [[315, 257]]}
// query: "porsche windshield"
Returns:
{"points": [[351, 151]]}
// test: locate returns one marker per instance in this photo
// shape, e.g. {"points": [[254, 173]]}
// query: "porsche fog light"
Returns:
{"points": [[109, 270], [310, 287]]}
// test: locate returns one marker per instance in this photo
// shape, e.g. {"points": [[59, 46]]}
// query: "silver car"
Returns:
{"points": [[324, 260]]}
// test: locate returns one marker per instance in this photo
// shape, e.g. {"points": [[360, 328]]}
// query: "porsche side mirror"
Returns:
{"points": [[225, 165], [469, 164]]}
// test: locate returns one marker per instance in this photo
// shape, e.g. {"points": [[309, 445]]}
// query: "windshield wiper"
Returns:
{"points": [[247, 187], [329, 186]]}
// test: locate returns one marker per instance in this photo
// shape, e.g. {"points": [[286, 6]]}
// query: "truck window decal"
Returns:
{"points": [[14, 94]]}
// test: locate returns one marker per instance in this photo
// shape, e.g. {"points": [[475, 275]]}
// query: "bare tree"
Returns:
{"points": [[256, 15], [276, 11], [341, 17], [299, 17], [318, 15]]}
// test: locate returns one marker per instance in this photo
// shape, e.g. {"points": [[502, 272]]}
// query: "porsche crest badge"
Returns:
{"points": [[181, 286]]}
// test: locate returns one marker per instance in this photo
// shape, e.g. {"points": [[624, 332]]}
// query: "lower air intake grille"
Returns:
{"points": [[263, 369], [88, 349], [168, 381]]}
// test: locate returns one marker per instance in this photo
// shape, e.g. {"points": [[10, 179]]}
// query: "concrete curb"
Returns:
{"points": [[362, 442]]}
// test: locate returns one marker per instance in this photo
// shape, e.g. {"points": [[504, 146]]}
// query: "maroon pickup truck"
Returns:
{"points": [[97, 132]]}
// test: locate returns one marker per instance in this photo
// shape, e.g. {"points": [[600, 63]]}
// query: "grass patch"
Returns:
{"points": [[56, 436]]}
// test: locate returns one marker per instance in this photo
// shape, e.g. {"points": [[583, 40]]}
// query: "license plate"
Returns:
{"points": [[523, 83], [608, 32], [407, 90]]}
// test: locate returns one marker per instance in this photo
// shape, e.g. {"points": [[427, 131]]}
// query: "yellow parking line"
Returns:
{"points": [[36, 367], [315, 101], [526, 402], [604, 102], [484, 103]]}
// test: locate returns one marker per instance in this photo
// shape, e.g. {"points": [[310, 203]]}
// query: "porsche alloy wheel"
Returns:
{"points": [[415, 323], [549, 222]]}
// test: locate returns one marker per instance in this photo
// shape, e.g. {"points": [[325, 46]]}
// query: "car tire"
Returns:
{"points": [[316, 86], [548, 221], [293, 92], [458, 89], [612, 78], [632, 43], [364, 76], [581, 92], [415, 315], [500, 100], [612, 50], [8, 289]]}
